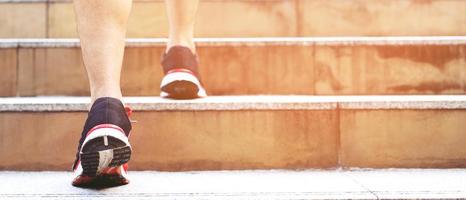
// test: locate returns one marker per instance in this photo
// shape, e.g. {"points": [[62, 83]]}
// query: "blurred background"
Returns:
{"points": [[253, 18]]}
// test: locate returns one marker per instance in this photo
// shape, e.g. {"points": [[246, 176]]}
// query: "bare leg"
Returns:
{"points": [[180, 63], [102, 30], [181, 17]]}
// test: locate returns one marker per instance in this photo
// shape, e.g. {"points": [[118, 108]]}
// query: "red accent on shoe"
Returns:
{"points": [[180, 70], [81, 180], [111, 170], [105, 126], [77, 164], [115, 170], [128, 110], [99, 127]]}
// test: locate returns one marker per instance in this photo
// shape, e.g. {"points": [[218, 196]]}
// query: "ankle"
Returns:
{"points": [[189, 43], [105, 92], [108, 110]]}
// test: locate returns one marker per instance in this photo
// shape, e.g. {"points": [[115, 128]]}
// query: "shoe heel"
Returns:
{"points": [[97, 158]]}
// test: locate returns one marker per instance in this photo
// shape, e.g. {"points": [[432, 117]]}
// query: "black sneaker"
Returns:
{"points": [[181, 80], [104, 149]]}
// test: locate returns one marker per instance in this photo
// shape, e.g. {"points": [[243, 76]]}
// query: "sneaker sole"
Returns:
{"points": [[181, 85], [101, 181], [102, 153], [101, 160], [180, 90]]}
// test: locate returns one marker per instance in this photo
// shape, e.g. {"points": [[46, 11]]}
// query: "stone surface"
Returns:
{"points": [[147, 19], [61, 19], [215, 19], [26, 84], [226, 140], [378, 18], [402, 138], [413, 184], [268, 69], [217, 139], [249, 132], [269, 18], [256, 102], [246, 19], [331, 184], [51, 71], [8, 75], [238, 66], [395, 69], [48, 140], [26, 20], [398, 41]]}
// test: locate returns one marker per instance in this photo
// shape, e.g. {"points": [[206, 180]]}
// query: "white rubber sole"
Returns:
{"points": [[171, 78], [97, 161], [105, 132]]}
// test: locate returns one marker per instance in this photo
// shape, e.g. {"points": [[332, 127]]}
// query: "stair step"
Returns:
{"points": [[270, 185], [248, 132], [270, 18], [257, 102], [249, 66]]}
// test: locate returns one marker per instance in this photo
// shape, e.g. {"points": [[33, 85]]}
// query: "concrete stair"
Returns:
{"points": [[311, 71], [238, 185], [253, 18], [248, 132], [249, 66]]}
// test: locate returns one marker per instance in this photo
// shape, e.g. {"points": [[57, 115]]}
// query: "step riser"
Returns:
{"points": [[408, 138], [207, 140], [257, 68], [258, 18], [221, 140]]}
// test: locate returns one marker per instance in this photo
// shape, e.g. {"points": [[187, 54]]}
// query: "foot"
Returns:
{"points": [[181, 80], [104, 149]]}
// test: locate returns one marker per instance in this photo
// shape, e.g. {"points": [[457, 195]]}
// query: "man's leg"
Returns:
{"points": [[102, 29], [181, 18], [104, 149], [180, 62]]}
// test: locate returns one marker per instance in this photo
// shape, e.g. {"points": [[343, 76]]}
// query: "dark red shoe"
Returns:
{"points": [[104, 149], [181, 80]]}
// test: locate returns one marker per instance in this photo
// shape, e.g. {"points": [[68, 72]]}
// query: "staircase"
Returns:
{"points": [[294, 85]]}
